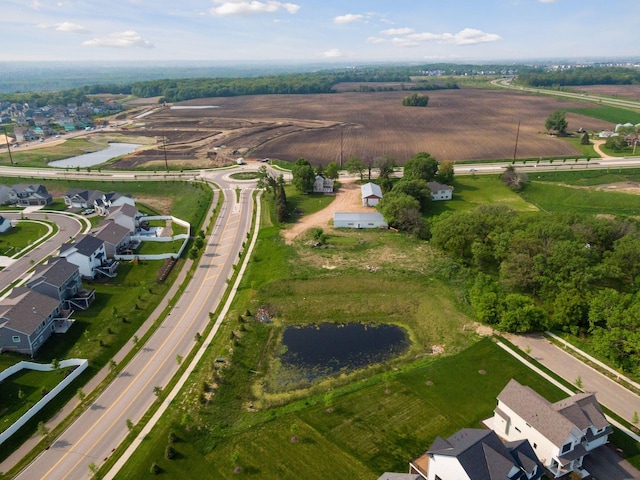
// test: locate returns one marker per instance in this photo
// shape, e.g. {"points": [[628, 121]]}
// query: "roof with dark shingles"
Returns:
{"points": [[482, 454], [26, 309], [112, 233], [85, 244], [56, 272]]}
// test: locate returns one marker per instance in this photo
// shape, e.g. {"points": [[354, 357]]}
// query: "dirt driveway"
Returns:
{"points": [[348, 199]]}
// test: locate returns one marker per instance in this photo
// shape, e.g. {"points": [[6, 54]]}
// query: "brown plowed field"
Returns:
{"points": [[627, 92], [465, 124]]}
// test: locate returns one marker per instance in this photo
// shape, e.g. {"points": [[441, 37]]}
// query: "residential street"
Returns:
{"points": [[609, 393]]}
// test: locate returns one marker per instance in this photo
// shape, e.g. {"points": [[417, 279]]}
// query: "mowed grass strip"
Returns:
{"points": [[472, 191], [559, 198]]}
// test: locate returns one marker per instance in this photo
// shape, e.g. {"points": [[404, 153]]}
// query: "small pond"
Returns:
{"points": [[96, 158], [328, 348]]}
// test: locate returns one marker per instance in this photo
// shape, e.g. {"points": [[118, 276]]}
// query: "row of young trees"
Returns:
{"points": [[582, 76], [533, 271]]}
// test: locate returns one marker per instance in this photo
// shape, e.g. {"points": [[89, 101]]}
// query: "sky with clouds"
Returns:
{"points": [[317, 30]]}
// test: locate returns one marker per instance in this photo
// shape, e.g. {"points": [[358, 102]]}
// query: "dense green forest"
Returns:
{"points": [[533, 271], [582, 76]]}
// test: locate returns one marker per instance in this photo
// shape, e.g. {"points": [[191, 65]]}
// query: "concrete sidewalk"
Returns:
{"points": [[609, 393], [93, 383]]}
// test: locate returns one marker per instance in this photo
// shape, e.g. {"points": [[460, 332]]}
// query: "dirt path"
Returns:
{"points": [[347, 199], [596, 146]]}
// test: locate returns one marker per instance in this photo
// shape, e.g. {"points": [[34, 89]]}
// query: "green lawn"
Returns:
{"points": [[613, 115], [307, 204], [24, 389], [154, 248], [559, 198], [23, 234], [475, 190]]}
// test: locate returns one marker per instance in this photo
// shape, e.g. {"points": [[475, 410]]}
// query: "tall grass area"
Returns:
{"points": [[591, 177]]}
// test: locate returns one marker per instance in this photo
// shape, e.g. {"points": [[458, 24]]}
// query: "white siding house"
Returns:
{"points": [[359, 220], [440, 191], [371, 194], [322, 185], [561, 433]]}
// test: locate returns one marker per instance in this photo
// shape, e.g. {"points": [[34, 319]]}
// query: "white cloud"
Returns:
{"points": [[127, 39], [404, 42], [397, 31], [67, 27], [251, 7], [348, 18], [547, 1], [333, 53], [467, 36], [375, 40]]}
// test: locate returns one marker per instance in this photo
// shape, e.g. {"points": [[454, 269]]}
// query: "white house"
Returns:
{"points": [[115, 237], [475, 454], [371, 194], [561, 433], [5, 224], [358, 220], [78, 198], [126, 216], [89, 254], [112, 199], [322, 185], [440, 191]]}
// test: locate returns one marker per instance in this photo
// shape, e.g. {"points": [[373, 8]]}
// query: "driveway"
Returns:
{"points": [[605, 464]]}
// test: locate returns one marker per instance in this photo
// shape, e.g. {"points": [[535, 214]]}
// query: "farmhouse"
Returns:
{"points": [[322, 185], [371, 194], [358, 220], [440, 191], [475, 454], [561, 433], [27, 320]]}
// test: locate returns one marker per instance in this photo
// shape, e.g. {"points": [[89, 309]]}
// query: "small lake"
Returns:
{"points": [[328, 347], [96, 158]]}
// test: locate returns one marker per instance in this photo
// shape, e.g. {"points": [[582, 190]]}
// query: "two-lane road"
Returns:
{"points": [[103, 426]]}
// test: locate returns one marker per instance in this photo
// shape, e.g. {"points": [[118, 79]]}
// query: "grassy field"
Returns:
{"points": [[305, 204], [23, 234], [613, 115], [472, 191], [587, 178], [154, 248], [559, 198], [41, 156]]}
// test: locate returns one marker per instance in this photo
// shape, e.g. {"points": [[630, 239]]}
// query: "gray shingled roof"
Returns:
{"points": [[85, 244], [436, 187], [554, 421], [56, 272], [126, 209], [482, 454], [112, 233], [26, 309]]}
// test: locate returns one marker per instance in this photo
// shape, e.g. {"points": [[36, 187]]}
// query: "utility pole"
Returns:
{"points": [[341, 144], [6, 138], [515, 150], [164, 148]]}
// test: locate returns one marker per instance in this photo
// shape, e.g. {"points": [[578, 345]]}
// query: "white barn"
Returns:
{"points": [[371, 194], [359, 220]]}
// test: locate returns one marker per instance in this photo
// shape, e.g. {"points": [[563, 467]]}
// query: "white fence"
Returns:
{"points": [[81, 365], [160, 256]]}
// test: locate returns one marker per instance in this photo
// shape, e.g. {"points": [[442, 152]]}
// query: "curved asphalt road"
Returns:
{"points": [[102, 427]]}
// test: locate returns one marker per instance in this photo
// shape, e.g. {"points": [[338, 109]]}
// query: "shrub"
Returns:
{"points": [[172, 437], [169, 452], [154, 469]]}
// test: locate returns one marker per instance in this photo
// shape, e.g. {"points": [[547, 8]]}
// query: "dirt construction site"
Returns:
{"points": [[466, 124]]}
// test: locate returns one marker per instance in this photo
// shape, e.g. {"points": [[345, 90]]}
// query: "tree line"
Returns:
{"points": [[582, 76], [533, 271]]}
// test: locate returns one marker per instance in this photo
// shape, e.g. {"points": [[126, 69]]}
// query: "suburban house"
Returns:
{"points": [[358, 220], [112, 199], [371, 194], [440, 191], [60, 279], [24, 134], [322, 185], [116, 238], [27, 320], [477, 454], [30, 195], [126, 216], [561, 433], [78, 198], [89, 254], [5, 224]]}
